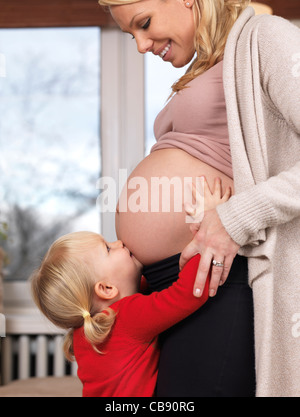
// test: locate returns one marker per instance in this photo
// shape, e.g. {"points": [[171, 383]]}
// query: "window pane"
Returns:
{"points": [[49, 139], [159, 78]]}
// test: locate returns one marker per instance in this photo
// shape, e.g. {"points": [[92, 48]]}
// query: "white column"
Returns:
{"points": [[74, 368], [122, 110], [6, 359], [59, 359], [41, 356], [24, 357]]}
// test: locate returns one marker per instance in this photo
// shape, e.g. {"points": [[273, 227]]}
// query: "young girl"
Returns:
{"points": [[91, 287]]}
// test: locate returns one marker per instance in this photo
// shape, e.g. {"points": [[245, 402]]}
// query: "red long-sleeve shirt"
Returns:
{"points": [[129, 365]]}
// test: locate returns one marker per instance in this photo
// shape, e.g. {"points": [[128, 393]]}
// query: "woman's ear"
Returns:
{"points": [[105, 290], [188, 3]]}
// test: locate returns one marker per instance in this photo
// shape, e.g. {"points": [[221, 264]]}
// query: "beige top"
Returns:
{"points": [[195, 121]]}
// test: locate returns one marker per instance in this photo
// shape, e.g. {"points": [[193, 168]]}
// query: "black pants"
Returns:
{"points": [[210, 353]]}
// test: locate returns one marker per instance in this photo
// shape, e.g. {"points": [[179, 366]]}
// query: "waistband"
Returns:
{"points": [[162, 274]]}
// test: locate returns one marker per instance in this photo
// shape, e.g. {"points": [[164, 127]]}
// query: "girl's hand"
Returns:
{"points": [[205, 200], [210, 240]]}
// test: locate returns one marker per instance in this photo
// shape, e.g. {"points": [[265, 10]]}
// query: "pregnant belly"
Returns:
{"points": [[150, 217]]}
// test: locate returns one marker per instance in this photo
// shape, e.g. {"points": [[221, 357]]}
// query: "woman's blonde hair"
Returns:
{"points": [[63, 289], [213, 22]]}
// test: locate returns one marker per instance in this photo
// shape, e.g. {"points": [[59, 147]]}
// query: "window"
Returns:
{"points": [[49, 131], [49, 139]]}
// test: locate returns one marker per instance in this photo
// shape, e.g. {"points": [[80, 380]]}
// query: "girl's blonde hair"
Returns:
{"points": [[213, 22], [63, 289]]}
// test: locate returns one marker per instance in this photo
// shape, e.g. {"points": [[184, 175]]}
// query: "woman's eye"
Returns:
{"points": [[147, 24], [108, 248]]}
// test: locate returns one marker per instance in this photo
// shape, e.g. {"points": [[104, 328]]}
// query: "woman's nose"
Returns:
{"points": [[144, 44]]}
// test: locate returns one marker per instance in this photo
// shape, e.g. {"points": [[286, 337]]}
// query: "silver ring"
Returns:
{"points": [[215, 263]]}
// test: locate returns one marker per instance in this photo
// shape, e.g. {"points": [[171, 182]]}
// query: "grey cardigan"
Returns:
{"points": [[262, 89]]}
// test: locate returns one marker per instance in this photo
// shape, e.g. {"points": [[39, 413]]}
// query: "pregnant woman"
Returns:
{"points": [[199, 133]]}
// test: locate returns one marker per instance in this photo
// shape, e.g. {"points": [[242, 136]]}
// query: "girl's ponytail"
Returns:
{"points": [[95, 328]]}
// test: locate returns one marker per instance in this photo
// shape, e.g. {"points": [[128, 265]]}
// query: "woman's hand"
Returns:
{"points": [[213, 243], [210, 240]]}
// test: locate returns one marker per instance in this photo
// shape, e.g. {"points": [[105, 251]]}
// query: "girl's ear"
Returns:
{"points": [[105, 290]]}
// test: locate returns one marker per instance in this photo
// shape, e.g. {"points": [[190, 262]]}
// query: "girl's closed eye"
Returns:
{"points": [[108, 248]]}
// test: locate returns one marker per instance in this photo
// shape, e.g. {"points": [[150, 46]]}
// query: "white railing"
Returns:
{"points": [[32, 345], [25, 356]]}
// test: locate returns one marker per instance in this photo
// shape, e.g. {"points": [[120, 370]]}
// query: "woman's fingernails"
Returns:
{"points": [[211, 293], [197, 292]]}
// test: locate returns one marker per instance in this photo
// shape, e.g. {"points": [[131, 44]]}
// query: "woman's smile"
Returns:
{"points": [[164, 50]]}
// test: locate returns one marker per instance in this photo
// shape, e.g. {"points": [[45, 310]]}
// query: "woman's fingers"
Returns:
{"points": [[226, 269], [214, 244], [202, 273], [219, 273], [218, 264]]}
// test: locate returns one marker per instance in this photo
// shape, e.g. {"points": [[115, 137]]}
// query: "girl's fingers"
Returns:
{"points": [[189, 209], [206, 189], [188, 252], [227, 194], [217, 187]]}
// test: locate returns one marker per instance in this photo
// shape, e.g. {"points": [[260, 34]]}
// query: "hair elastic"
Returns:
{"points": [[86, 314]]}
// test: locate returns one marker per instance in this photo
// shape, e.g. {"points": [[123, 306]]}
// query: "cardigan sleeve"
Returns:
{"points": [[277, 199], [147, 316]]}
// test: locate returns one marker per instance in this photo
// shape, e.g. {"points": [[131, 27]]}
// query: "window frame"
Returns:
{"points": [[55, 13], [122, 100], [36, 13]]}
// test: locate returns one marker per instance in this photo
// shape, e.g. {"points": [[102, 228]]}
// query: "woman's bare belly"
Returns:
{"points": [[152, 223]]}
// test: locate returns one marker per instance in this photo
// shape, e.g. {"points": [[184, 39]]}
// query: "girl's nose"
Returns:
{"points": [[117, 244]]}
